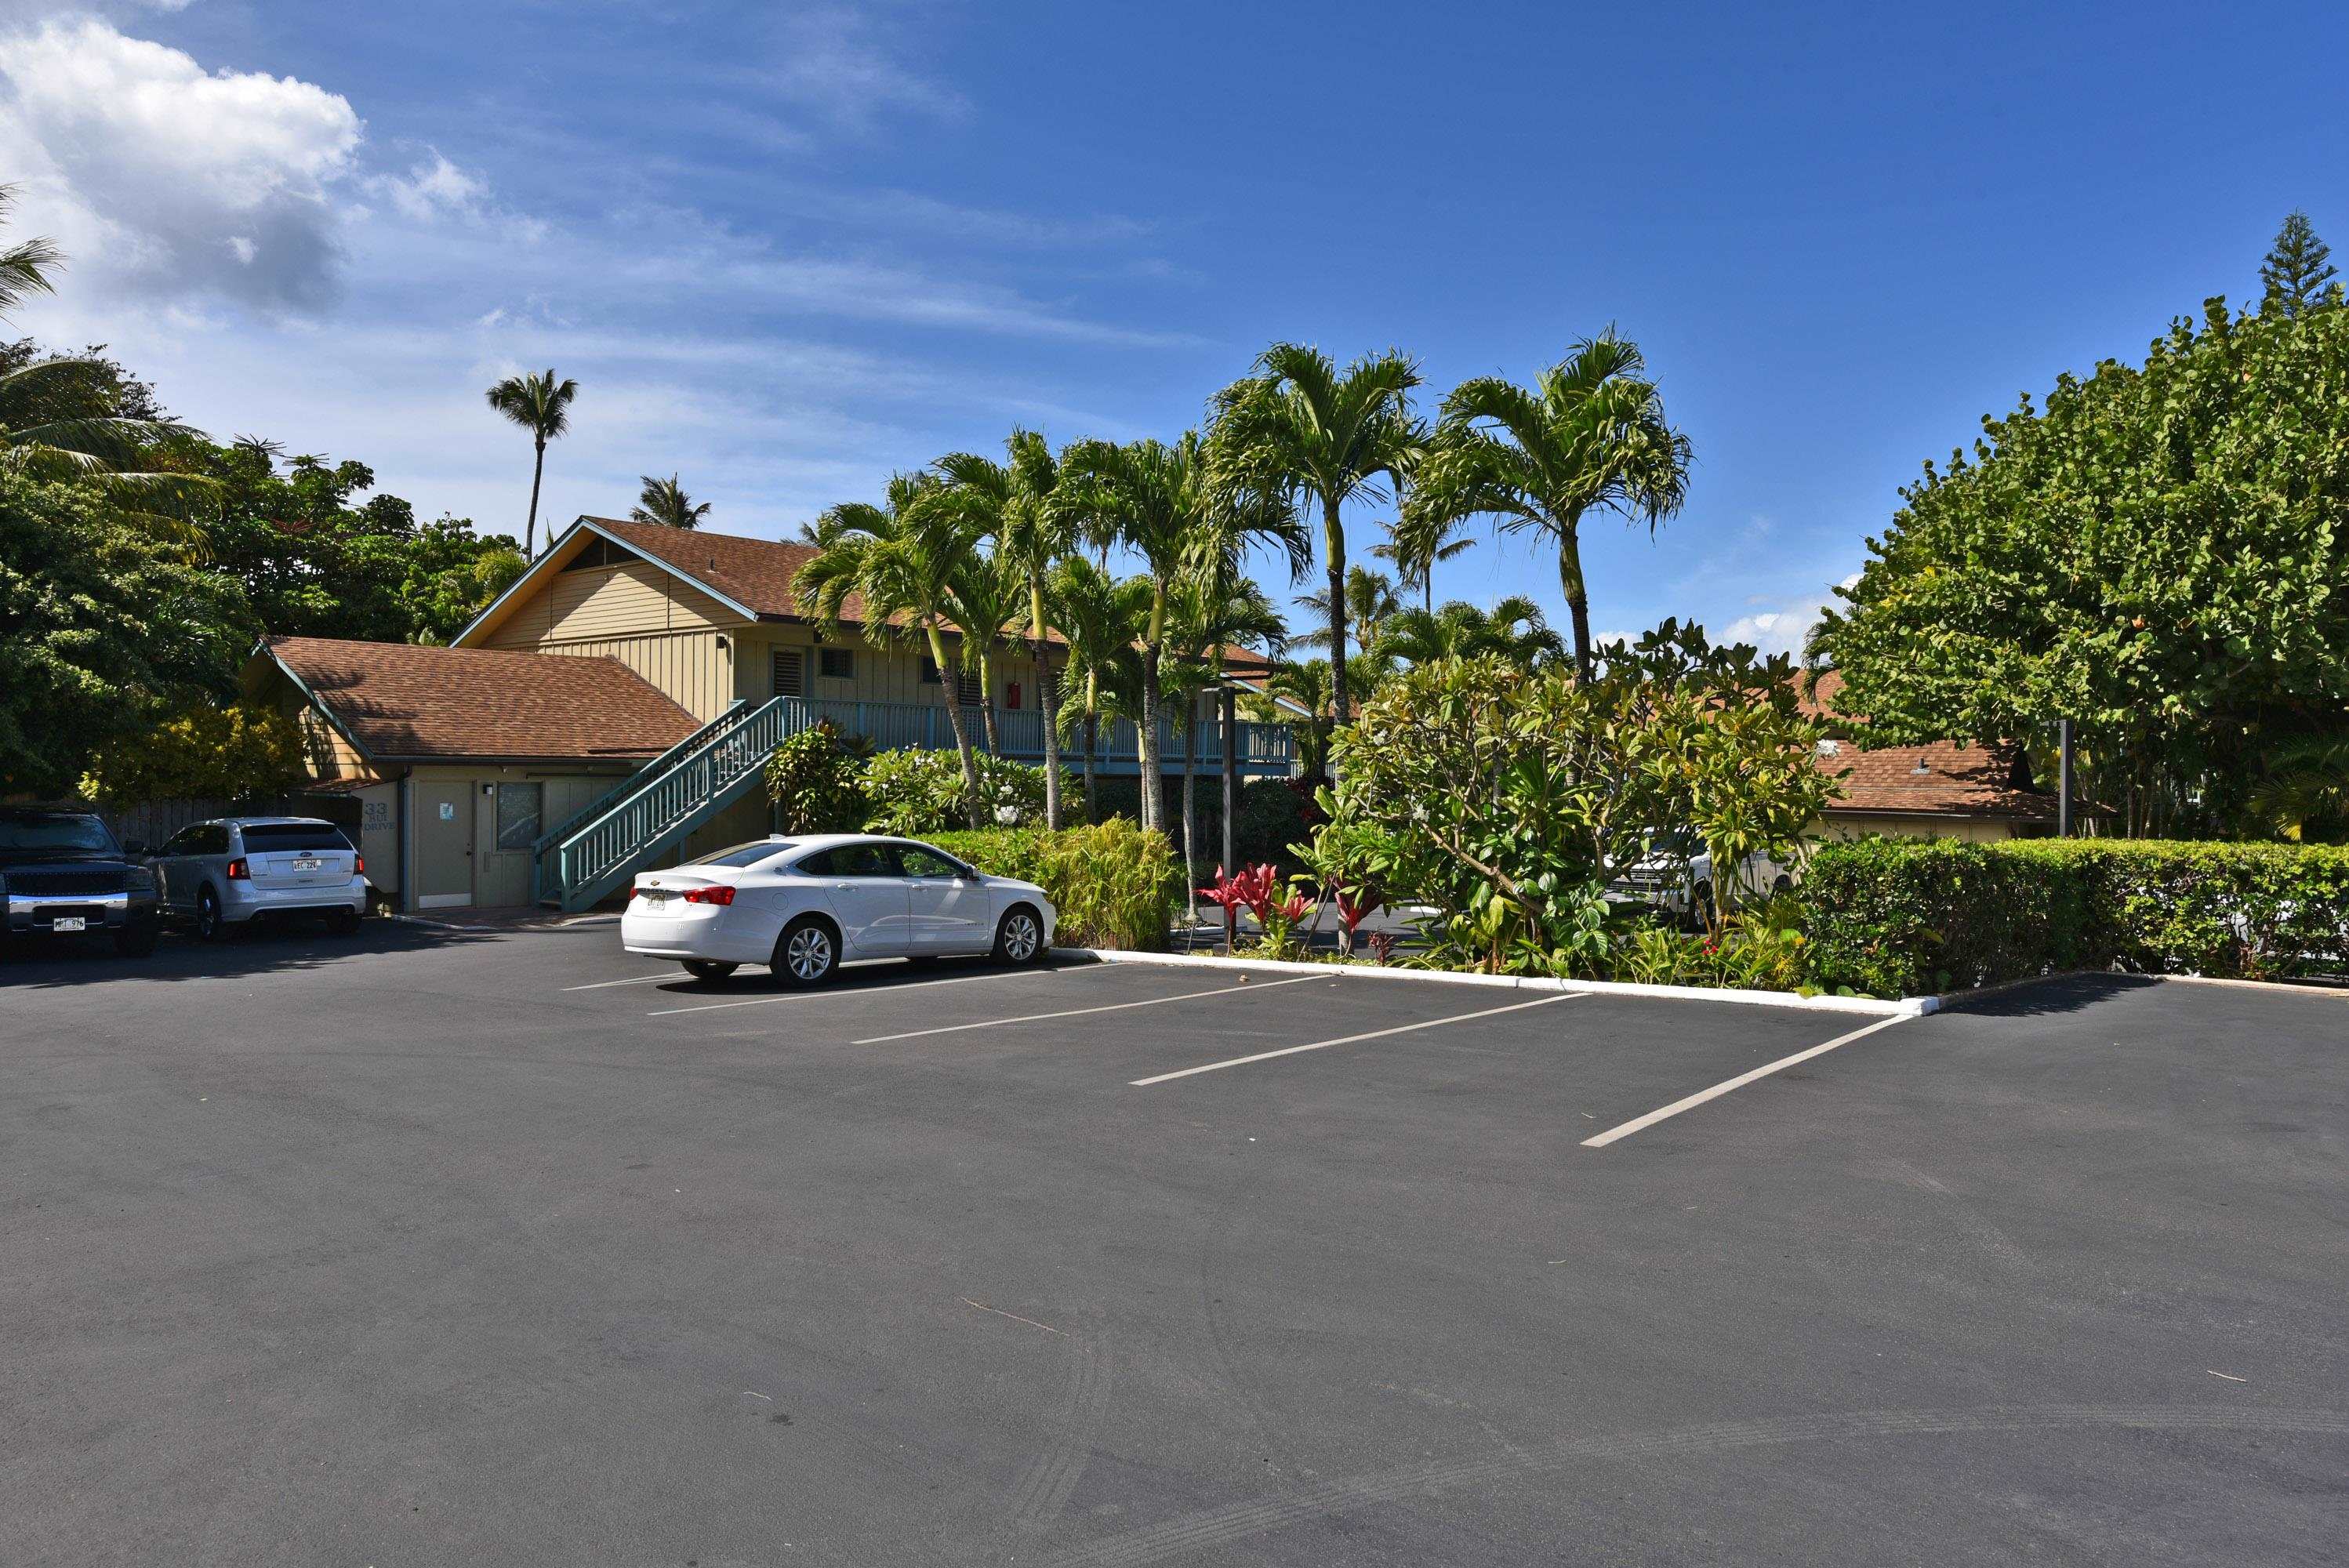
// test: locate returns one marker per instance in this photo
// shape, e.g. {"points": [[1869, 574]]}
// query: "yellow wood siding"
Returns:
{"points": [[631, 600], [689, 668], [884, 673]]}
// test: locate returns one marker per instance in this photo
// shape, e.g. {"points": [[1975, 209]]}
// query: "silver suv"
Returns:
{"points": [[224, 874]]}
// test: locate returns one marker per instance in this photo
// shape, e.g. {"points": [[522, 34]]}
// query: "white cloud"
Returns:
{"points": [[150, 172], [830, 61], [1780, 627], [433, 189]]}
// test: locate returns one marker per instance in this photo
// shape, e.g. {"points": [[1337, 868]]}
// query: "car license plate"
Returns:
{"points": [[307, 866], [655, 900], [69, 922]]}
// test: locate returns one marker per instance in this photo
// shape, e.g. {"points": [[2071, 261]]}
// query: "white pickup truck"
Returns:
{"points": [[1677, 875]]}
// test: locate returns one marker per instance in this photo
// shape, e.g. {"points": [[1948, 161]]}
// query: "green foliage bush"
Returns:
{"points": [[1894, 917], [817, 784], [1114, 885], [921, 792], [211, 751]]}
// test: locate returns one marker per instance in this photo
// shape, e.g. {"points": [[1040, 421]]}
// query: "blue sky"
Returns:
{"points": [[788, 249]]}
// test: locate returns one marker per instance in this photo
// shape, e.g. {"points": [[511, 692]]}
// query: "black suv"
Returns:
{"points": [[61, 872]]}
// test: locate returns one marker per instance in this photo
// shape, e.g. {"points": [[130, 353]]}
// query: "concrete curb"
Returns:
{"points": [[1907, 1007], [1957, 1001]]}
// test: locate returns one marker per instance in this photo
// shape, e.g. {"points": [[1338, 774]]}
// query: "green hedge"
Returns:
{"points": [[1114, 885], [1893, 917]]}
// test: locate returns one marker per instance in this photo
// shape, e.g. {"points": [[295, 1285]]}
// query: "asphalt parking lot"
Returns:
{"points": [[436, 1247]]}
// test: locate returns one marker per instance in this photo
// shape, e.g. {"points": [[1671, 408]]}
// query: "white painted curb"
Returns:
{"points": [[1909, 1008]]}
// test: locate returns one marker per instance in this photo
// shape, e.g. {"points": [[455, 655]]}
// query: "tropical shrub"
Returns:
{"points": [[1508, 799], [921, 792], [817, 784], [1114, 885], [1902, 917]]}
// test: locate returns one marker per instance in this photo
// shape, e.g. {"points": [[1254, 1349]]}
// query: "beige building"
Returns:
{"points": [[612, 708]]}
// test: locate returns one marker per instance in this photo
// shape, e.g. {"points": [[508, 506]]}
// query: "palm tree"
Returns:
{"points": [[1016, 503], [51, 427], [1310, 687], [1514, 629], [1316, 439], [984, 597], [901, 558], [1157, 500], [1410, 569], [1212, 611], [664, 502], [2307, 785], [1371, 602], [1102, 621], [1591, 434], [541, 405]]}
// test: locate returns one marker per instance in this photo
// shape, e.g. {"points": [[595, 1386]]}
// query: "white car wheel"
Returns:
{"points": [[1021, 938], [806, 953]]}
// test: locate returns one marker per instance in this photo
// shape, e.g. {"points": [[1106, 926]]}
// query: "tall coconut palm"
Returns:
{"points": [[1318, 439], [541, 405], [1102, 621], [1590, 435], [1016, 503], [1515, 629], [664, 502], [901, 560], [1158, 501], [1411, 569], [25, 266]]}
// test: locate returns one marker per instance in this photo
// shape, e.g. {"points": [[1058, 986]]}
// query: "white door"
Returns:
{"points": [[949, 911], [867, 896]]}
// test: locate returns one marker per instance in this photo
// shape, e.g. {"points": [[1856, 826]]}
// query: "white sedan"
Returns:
{"points": [[804, 905]]}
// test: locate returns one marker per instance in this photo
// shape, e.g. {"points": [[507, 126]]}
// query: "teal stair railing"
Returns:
{"points": [[542, 851], [668, 800]]}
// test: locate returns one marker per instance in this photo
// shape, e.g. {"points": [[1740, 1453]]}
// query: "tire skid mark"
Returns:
{"points": [[1237, 1522], [1044, 1490]]}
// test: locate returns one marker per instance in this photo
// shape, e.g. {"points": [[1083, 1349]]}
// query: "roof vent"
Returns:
{"points": [[1922, 767], [1830, 748]]}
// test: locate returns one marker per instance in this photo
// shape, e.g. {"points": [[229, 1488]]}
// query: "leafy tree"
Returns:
{"points": [[2157, 556], [901, 558], [102, 631], [2306, 792], [1213, 610], [210, 751], [665, 503], [541, 405], [1590, 436], [1514, 630], [2298, 272], [1302, 433], [314, 560], [816, 783]]}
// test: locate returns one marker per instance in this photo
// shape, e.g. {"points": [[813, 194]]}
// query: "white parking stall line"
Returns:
{"points": [[1357, 1040], [1081, 1012], [835, 994], [631, 980], [1740, 1081]]}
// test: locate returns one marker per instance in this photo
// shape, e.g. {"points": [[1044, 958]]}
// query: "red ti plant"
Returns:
{"points": [[1280, 921], [1382, 945], [1251, 889], [1354, 906]]}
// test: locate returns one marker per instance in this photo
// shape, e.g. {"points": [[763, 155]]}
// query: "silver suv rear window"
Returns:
{"points": [[276, 836]]}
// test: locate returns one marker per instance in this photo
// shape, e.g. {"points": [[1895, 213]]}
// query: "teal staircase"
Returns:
{"points": [[595, 853]]}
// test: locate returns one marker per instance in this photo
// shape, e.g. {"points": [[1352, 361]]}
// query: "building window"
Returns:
{"points": [[596, 553], [969, 692], [837, 664], [521, 807], [929, 670], [790, 672]]}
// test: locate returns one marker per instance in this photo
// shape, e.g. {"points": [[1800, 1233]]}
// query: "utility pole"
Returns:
{"points": [[2063, 778]]}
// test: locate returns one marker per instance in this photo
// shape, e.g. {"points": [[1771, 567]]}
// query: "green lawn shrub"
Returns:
{"points": [[1114, 885], [1892, 917], [917, 792]]}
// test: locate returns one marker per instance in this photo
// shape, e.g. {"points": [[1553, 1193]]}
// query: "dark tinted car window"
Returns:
{"points": [[920, 862], [851, 860], [268, 837], [212, 839], [747, 854], [54, 832]]}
